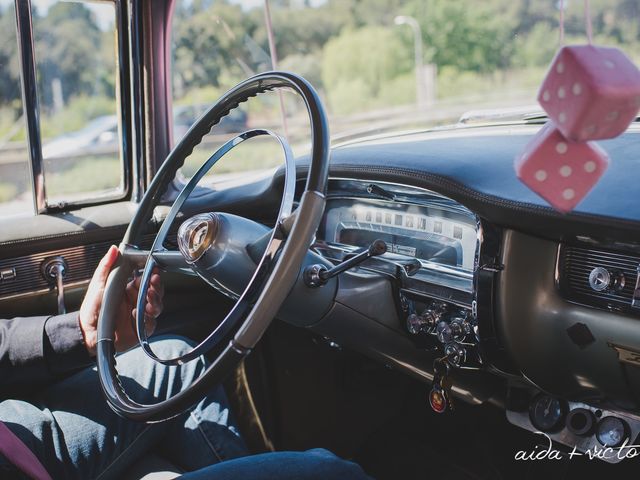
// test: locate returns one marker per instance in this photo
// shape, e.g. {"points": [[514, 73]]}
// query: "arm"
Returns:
{"points": [[38, 350]]}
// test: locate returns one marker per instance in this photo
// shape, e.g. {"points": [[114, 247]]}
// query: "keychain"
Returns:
{"points": [[440, 397]]}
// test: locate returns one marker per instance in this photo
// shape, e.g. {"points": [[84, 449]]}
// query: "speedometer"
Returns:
{"points": [[437, 231]]}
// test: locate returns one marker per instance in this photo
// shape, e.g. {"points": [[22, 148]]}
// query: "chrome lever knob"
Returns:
{"points": [[54, 270]]}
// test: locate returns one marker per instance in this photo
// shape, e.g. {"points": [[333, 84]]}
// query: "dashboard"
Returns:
{"points": [[469, 290]]}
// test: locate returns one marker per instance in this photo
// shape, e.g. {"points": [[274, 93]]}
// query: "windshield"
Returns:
{"points": [[389, 65]]}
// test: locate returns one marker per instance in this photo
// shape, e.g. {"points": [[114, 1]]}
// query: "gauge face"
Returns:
{"points": [[547, 413], [612, 431], [442, 235]]}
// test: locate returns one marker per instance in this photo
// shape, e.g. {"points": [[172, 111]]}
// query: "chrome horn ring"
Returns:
{"points": [[206, 232]]}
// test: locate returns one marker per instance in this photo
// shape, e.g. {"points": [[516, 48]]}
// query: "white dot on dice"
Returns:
{"points": [[568, 194], [577, 89], [560, 67], [590, 166], [565, 170], [541, 175], [561, 147], [562, 117], [546, 96], [561, 92]]}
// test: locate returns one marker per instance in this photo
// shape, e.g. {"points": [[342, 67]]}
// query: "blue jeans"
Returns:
{"points": [[317, 464], [75, 434]]}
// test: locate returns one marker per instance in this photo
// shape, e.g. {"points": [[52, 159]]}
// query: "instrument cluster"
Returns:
{"points": [[432, 248]]}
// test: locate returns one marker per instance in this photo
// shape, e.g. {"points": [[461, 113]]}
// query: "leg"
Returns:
{"points": [[317, 464], [76, 435]]}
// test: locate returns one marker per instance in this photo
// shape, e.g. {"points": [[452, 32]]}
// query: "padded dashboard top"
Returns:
{"points": [[474, 165]]}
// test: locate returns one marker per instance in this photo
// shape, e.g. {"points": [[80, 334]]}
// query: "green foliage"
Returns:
{"points": [[209, 44], [537, 48], [362, 62]]}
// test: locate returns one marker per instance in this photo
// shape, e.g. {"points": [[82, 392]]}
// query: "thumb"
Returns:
{"points": [[105, 265]]}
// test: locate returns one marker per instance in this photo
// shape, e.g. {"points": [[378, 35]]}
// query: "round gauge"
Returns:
{"points": [[547, 413], [612, 431]]}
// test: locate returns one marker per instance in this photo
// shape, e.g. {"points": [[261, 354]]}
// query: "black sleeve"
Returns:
{"points": [[35, 351]]}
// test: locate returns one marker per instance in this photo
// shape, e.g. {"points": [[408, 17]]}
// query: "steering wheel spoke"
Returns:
{"points": [[172, 261]]}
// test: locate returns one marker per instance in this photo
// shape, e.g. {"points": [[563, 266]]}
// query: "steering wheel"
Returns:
{"points": [[223, 249]]}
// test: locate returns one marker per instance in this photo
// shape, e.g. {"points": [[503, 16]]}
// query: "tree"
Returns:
{"points": [[365, 58]]}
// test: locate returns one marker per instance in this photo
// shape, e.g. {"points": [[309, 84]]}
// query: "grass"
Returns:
{"points": [[8, 192]]}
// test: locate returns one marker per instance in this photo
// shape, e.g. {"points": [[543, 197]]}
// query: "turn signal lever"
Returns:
{"points": [[317, 275]]}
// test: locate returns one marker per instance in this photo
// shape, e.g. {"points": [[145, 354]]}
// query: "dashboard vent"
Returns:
{"points": [[575, 266]]}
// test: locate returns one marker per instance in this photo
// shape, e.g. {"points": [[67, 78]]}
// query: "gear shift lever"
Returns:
{"points": [[318, 275]]}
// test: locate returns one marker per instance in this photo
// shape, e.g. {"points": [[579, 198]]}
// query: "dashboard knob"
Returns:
{"points": [[444, 332], [456, 353], [416, 324], [460, 328], [602, 280]]}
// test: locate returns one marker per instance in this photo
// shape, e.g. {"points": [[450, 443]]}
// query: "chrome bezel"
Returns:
{"points": [[406, 196]]}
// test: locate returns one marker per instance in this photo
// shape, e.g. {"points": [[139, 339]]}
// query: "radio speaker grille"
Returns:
{"points": [[575, 265]]}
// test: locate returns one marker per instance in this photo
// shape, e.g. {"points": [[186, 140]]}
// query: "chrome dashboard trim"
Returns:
{"points": [[404, 198]]}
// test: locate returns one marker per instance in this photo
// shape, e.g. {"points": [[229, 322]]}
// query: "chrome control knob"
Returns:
{"points": [[460, 328], [456, 353], [444, 332], [433, 315], [416, 324], [603, 280]]}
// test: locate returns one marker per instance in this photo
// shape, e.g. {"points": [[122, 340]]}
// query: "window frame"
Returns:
{"points": [[31, 109]]}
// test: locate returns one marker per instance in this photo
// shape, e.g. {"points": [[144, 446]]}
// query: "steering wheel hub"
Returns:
{"points": [[196, 235]]}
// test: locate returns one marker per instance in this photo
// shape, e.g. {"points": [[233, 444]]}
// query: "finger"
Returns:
{"points": [[104, 267], [154, 306], [156, 282], [149, 322], [150, 325], [153, 310], [153, 296], [132, 291]]}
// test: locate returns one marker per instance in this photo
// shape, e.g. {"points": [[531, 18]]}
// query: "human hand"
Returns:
{"points": [[125, 335]]}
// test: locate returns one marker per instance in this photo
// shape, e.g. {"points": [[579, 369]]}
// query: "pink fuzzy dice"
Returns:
{"points": [[591, 92], [560, 171]]}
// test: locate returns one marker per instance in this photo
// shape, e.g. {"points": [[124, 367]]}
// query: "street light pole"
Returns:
{"points": [[417, 38]]}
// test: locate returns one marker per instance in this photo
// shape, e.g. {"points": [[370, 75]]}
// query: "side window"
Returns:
{"points": [[15, 183], [76, 71], [75, 49]]}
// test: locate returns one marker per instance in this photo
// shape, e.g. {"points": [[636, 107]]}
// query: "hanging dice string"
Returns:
{"points": [[561, 23], [588, 23]]}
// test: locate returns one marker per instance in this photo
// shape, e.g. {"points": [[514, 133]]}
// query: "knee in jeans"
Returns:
{"points": [[171, 346]]}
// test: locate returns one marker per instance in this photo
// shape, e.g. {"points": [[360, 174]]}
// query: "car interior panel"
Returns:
{"points": [[387, 288]]}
